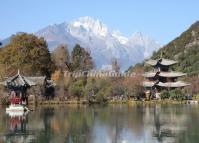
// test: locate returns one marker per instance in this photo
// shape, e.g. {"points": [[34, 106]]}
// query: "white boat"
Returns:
{"points": [[192, 102], [16, 110]]}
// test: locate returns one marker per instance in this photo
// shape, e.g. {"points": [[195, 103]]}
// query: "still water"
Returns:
{"points": [[103, 124]]}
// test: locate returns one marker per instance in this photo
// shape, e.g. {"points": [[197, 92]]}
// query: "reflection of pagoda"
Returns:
{"points": [[18, 123], [162, 77]]}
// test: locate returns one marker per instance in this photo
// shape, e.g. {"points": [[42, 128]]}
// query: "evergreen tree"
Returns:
{"points": [[81, 59]]}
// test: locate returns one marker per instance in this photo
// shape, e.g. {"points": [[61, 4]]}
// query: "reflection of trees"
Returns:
{"points": [[117, 118], [168, 121], [135, 117], [46, 136], [160, 123], [66, 124], [81, 122], [191, 133], [3, 122]]}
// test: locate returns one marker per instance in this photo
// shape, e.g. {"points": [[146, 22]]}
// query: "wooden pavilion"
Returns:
{"points": [[18, 85]]}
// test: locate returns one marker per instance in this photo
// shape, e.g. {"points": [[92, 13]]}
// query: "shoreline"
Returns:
{"points": [[85, 102]]}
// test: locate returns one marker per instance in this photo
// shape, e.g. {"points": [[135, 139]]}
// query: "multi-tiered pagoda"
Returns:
{"points": [[162, 77]]}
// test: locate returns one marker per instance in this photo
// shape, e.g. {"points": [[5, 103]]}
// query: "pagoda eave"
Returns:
{"points": [[164, 74], [163, 62], [149, 83], [177, 84]]}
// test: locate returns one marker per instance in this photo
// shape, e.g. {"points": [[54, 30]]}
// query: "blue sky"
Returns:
{"points": [[161, 19]]}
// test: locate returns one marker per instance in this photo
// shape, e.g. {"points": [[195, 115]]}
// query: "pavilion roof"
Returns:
{"points": [[19, 80], [161, 61]]}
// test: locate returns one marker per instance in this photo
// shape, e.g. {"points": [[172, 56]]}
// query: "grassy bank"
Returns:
{"points": [[82, 101]]}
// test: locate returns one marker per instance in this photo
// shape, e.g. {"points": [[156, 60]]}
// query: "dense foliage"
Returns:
{"points": [[176, 94], [60, 56], [184, 49], [78, 60], [81, 59], [103, 88], [27, 53]]}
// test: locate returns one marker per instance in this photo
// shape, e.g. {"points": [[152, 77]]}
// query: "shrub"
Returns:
{"points": [[117, 89], [177, 94], [77, 89], [164, 94]]}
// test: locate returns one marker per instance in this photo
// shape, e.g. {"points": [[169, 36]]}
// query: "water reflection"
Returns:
{"points": [[13, 127], [107, 124]]}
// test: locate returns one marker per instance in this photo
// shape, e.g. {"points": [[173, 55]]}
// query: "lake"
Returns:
{"points": [[103, 124]]}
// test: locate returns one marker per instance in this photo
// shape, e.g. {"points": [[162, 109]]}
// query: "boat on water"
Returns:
{"points": [[17, 107], [17, 110], [192, 102]]}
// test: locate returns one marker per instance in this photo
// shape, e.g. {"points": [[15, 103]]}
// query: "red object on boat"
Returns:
{"points": [[15, 100]]}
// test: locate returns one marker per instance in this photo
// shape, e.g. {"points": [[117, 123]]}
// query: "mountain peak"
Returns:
{"points": [[104, 43], [91, 24]]}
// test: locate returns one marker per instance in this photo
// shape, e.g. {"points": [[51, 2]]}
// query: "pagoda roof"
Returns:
{"points": [[172, 74], [173, 84], [167, 84], [19, 80], [149, 74], [164, 74], [161, 61], [149, 83]]}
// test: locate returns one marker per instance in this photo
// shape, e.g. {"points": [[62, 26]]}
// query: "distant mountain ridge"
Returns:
{"points": [[103, 43]]}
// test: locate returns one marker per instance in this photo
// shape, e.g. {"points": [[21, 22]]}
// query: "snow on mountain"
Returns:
{"points": [[103, 42]]}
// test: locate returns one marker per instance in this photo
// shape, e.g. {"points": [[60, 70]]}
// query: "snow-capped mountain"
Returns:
{"points": [[103, 42]]}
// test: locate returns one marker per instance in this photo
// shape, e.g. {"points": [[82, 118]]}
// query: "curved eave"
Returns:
{"points": [[172, 74], [164, 62], [164, 74], [149, 74], [173, 84], [19, 80], [167, 62], [152, 62], [148, 84]]}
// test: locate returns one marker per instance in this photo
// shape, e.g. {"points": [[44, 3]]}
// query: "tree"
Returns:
{"points": [[133, 84], [91, 88], [77, 89], [28, 53], [60, 56], [81, 59], [134, 87], [117, 89]]}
